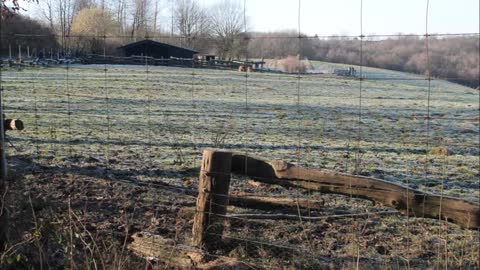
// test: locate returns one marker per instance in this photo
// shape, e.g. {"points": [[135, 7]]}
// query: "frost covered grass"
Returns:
{"points": [[138, 125]]}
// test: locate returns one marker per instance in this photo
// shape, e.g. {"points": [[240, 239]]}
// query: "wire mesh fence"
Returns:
{"points": [[117, 150]]}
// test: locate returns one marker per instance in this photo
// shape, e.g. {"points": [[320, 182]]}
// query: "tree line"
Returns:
{"points": [[94, 26], [455, 58], [452, 58], [80, 25]]}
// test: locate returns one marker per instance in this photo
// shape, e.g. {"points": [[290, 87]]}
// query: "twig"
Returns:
{"points": [[70, 233], [91, 237], [125, 241], [2, 206], [9, 251], [37, 231]]}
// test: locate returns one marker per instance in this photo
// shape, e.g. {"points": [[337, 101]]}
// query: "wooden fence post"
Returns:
{"points": [[212, 199], [3, 170], [19, 53]]}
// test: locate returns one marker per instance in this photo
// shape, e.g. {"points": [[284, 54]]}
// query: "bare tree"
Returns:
{"points": [[120, 15], [82, 4], [59, 16], [191, 21], [155, 17], [65, 9], [12, 7], [48, 13], [140, 18], [227, 24]]}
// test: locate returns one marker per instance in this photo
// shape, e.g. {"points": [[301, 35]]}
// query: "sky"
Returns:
{"points": [[329, 17], [342, 17]]}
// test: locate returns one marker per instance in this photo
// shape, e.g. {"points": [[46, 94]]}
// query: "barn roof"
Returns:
{"points": [[153, 43]]}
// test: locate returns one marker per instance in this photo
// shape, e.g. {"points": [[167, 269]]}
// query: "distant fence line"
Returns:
{"points": [[175, 62]]}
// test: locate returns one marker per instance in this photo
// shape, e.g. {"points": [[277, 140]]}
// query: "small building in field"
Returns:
{"points": [[205, 57], [156, 49]]}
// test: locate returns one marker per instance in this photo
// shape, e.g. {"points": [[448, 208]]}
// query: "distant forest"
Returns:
{"points": [[455, 58], [77, 27]]}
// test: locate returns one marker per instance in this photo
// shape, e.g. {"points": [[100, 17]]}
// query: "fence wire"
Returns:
{"points": [[122, 144]]}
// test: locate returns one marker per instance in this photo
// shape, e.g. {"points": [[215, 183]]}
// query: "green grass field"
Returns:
{"points": [[87, 130]]}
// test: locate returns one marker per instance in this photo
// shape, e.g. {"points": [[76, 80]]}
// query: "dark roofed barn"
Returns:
{"points": [[156, 50]]}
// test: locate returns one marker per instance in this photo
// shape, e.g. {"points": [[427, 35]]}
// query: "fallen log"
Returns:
{"points": [[406, 200], [155, 247], [175, 256]]}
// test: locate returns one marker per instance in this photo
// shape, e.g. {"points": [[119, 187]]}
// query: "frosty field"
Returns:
{"points": [[112, 141]]}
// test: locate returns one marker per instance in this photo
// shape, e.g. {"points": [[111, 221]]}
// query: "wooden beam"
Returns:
{"points": [[155, 247], [407, 201], [212, 199]]}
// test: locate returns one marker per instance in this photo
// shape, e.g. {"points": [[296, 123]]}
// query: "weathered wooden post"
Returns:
{"points": [[212, 199], [3, 168]]}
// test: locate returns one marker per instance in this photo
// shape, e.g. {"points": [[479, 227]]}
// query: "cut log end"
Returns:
{"points": [[13, 124], [279, 165]]}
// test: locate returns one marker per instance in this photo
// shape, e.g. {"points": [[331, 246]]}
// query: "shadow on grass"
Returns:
{"points": [[93, 141]]}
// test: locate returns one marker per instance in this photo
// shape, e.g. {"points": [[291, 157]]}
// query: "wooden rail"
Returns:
{"points": [[406, 200], [174, 62]]}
